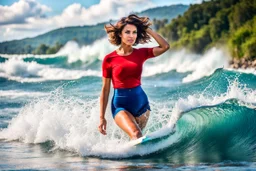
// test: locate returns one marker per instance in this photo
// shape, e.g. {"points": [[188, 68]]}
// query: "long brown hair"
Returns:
{"points": [[141, 23]]}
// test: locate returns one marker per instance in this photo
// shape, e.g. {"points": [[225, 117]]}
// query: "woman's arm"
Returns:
{"points": [[103, 104], [163, 44]]}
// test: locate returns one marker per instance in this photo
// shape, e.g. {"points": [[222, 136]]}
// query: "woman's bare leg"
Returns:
{"points": [[127, 122], [143, 119]]}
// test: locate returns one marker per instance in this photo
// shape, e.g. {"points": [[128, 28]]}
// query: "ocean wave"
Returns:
{"points": [[70, 123], [234, 91], [21, 71], [224, 131], [24, 56], [87, 53], [13, 94], [247, 70], [181, 61], [214, 85]]}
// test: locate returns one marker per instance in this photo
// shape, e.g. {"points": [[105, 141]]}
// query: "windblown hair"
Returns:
{"points": [[141, 23]]}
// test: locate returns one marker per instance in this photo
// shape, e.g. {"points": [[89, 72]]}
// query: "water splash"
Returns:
{"points": [[88, 53], [71, 123]]}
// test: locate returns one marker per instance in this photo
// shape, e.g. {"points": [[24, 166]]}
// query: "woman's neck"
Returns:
{"points": [[125, 50]]}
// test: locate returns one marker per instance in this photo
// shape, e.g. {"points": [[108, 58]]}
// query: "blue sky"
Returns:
{"points": [[56, 5], [28, 18]]}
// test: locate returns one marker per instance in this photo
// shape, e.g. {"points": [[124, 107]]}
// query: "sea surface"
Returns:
{"points": [[49, 113]]}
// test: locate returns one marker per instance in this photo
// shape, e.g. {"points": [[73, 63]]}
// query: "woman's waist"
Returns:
{"points": [[127, 83], [128, 91]]}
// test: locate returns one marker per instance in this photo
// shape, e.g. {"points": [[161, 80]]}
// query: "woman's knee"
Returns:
{"points": [[143, 119], [136, 134], [127, 122]]}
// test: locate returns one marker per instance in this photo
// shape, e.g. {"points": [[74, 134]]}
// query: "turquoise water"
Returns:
{"points": [[49, 110]]}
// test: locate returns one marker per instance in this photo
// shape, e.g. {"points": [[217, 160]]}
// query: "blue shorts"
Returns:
{"points": [[133, 100]]}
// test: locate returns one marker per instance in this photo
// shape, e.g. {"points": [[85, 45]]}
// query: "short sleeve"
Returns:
{"points": [[106, 68], [148, 53]]}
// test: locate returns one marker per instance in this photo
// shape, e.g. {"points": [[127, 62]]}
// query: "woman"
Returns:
{"points": [[130, 107]]}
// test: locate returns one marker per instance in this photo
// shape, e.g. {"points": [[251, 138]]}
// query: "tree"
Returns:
{"points": [[28, 49], [41, 49], [243, 11], [219, 24], [159, 23]]}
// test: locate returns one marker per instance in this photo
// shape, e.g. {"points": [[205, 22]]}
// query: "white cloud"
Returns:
{"points": [[31, 23], [21, 10], [75, 14]]}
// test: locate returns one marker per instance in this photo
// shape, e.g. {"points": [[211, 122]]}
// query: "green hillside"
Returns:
{"points": [[165, 12], [50, 42], [228, 23], [83, 35]]}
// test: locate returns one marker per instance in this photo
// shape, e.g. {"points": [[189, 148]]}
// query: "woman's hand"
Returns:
{"points": [[103, 104], [103, 126], [163, 44]]}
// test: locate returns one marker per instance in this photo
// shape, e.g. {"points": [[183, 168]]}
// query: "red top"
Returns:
{"points": [[125, 71]]}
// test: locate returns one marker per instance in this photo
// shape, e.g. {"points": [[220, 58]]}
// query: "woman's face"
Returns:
{"points": [[129, 34]]}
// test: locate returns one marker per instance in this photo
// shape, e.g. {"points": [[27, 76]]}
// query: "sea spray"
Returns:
{"points": [[71, 123], [207, 64], [67, 121], [183, 105], [182, 61], [13, 94], [17, 67], [24, 56], [86, 53]]}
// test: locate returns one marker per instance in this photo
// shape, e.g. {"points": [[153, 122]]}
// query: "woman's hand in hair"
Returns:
{"points": [[163, 44]]}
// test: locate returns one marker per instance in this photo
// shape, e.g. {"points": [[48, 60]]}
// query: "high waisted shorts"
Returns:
{"points": [[133, 100]]}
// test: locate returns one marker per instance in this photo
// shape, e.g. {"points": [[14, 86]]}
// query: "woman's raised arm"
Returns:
{"points": [[163, 44]]}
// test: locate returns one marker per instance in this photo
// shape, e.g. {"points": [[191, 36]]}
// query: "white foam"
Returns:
{"points": [[8, 111], [17, 67], [182, 61], [247, 70], [207, 64], [74, 52], [23, 56], [18, 70], [235, 91], [13, 94], [89, 53], [86, 54], [72, 123]]}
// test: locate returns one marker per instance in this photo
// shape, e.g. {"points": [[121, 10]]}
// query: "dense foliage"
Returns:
{"points": [[44, 49], [216, 22]]}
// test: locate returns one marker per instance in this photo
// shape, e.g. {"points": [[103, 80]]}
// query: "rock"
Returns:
{"points": [[254, 63], [242, 63]]}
